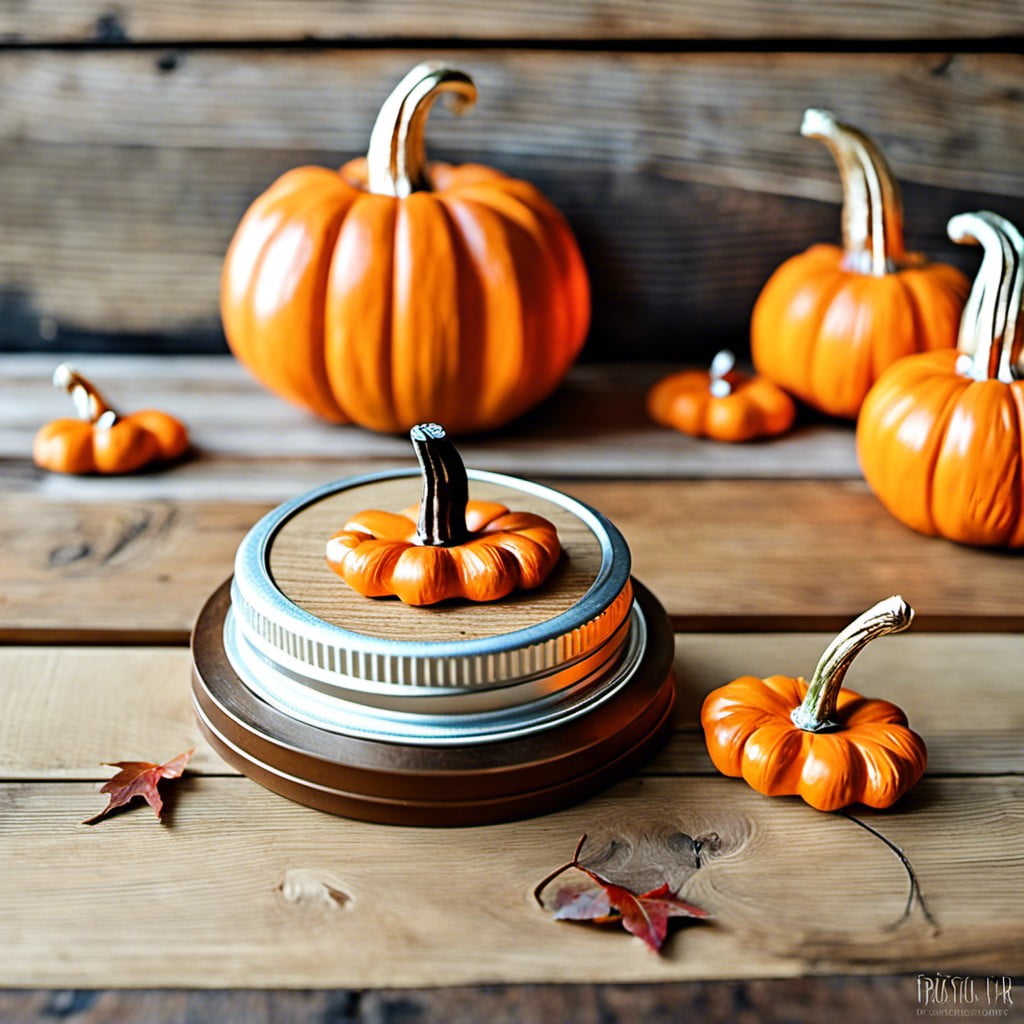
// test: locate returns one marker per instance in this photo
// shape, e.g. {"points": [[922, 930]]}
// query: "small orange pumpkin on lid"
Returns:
{"points": [[447, 546], [721, 403], [101, 440], [831, 319], [830, 746]]}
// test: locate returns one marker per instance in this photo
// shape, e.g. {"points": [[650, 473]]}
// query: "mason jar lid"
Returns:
{"points": [[290, 613]]}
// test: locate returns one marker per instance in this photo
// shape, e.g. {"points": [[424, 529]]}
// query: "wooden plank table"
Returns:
{"points": [[756, 551]]}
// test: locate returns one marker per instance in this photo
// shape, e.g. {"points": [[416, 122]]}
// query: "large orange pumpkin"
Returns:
{"points": [[396, 291], [941, 435], [830, 320]]}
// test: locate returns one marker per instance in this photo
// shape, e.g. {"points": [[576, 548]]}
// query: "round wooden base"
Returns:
{"points": [[407, 784]]}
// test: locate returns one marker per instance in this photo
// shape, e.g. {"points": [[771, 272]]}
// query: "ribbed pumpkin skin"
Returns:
{"points": [[873, 758], [75, 446], [945, 453], [826, 333], [466, 304], [377, 554], [754, 408]]}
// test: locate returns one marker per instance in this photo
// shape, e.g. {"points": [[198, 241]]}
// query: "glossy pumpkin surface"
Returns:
{"points": [[830, 320], [941, 436], [395, 290], [101, 440], [446, 546], [377, 554], [829, 746], [722, 404], [873, 758]]}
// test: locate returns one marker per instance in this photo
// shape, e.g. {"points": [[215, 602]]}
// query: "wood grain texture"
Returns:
{"points": [[264, 893], [64, 710], [94, 21], [595, 426], [796, 1000], [152, 159], [720, 118], [721, 555], [296, 564]]}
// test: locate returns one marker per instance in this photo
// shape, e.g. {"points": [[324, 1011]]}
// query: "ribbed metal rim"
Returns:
{"points": [[287, 634], [507, 720]]}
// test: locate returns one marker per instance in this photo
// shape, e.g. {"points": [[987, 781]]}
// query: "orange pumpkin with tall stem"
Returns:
{"points": [[829, 746], [101, 440], [830, 320], [395, 290], [447, 546], [941, 436]]}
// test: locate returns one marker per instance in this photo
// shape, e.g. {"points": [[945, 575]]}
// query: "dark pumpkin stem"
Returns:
{"points": [[818, 710], [442, 521]]}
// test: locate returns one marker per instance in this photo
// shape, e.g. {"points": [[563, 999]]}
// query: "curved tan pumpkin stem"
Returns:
{"points": [[396, 158], [817, 712], [991, 332], [90, 405], [442, 519], [872, 207]]}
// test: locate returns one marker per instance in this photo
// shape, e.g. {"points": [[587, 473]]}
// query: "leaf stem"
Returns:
{"points": [[574, 863], [914, 895]]}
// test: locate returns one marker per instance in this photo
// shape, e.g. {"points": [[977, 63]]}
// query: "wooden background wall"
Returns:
{"points": [[133, 134]]}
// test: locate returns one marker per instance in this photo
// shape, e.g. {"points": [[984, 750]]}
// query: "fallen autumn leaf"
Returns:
{"points": [[645, 915], [139, 778]]}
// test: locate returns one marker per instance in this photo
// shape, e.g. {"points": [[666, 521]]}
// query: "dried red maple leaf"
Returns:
{"points": [[139, 778], [644, 915]]}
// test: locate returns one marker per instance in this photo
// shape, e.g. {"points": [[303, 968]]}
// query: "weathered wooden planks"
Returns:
{"points": [[247, 889], [719, 554], [595, 426], [64, 710], [684, 177], [718, 118], [795, 999], [94, 21]]}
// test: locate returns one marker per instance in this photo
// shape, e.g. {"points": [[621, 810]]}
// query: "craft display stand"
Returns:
{"points": [[457, 714]]}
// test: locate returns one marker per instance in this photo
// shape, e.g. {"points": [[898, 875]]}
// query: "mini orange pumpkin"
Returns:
{"points": [[723, 403], [941, 435], [447, 546], [829, 746], [830, 320], [396, 291], [101, 440]]}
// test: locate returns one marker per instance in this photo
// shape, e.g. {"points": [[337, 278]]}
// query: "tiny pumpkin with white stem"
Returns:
{"points": [[829, 320], [447, 546], [102, 440], [721, 403], [830, 746]]}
